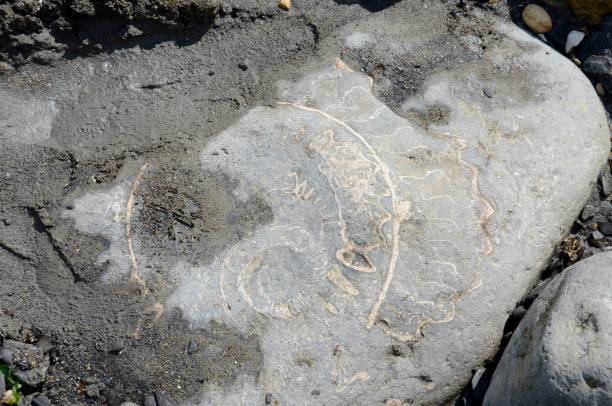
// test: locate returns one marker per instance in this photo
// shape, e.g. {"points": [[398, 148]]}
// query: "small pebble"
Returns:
{"points": [[595, 239], [150, 401], [574, 38], [164, 400], [599, 88], [315, 392], [118, 346], [285, 4], [488, 92], [192, 347], [5, 68], [41, 400], [605, 229], [2, 384], [537, 19], [268, 398], [588, 212], [605, 180]]}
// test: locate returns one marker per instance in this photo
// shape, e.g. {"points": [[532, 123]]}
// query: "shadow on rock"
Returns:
{"points": [[370, 5]]}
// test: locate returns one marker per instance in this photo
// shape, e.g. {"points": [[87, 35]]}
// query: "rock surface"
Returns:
{"points": [[362, 247], [560, 353], [340, 237]]}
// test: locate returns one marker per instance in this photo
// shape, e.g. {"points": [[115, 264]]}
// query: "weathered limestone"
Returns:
{"points": [[560, 353], [398, 241]]}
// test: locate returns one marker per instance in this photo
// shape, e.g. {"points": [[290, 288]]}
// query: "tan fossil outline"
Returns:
{"points": [[400, 209], [157, 307], [401, 212]]}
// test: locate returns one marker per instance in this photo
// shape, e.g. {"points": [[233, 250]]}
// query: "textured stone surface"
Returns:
{"points": [[390, 261], [560, 353], [332, 247]]}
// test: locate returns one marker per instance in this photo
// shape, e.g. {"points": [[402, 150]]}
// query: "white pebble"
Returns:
{"points": [[574, 38]]}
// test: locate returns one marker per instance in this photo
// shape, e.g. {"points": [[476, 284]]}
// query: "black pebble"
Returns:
{"points": [[605, 228], [243, 66]]}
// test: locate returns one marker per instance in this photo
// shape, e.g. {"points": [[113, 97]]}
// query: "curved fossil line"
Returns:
{"points": [[157, 307], [134, 277], [400, 209]]}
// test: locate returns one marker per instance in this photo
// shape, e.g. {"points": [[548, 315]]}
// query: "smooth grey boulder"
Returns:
{"points": [[560, 353]]}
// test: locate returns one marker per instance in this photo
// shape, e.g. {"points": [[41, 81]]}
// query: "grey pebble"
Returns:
{"points": [[595, 239], [488, 92], [118, 346], [2, 384], [268, 398], [588, 212], [6, 356], [150, 401], [164, 400], [192, 347], [41, 400]]}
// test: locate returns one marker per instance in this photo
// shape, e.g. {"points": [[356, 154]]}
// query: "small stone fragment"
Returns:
{"points": [[118, 346], [2, 384], [488, 92], [129, 404], [595, 239], [574, 38], [192, 347], [599, 67], [537, 19], [600, 89], [41, 400], [131, 32], [5, 68], [150, 401], [30, 362], [268, 398], [285, 4], [164, 400], [588, 212], [605, 228], [605, 180]]}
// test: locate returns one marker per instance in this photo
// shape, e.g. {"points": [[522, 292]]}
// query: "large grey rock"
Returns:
{"points": [[560, 353], [390, 262], [373, 248]]}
